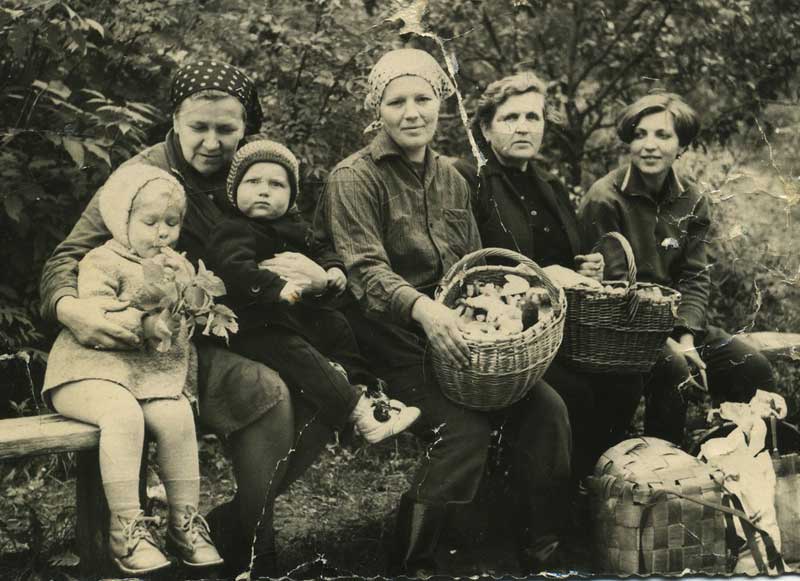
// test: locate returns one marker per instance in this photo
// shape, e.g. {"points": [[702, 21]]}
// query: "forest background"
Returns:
{"points": [[84, 85]]}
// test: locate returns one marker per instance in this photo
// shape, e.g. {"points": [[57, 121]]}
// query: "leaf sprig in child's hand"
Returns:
{"points": [[175, 291]]}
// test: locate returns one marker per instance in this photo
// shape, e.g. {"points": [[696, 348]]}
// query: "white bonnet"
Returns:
{"points": [[120, 190]]}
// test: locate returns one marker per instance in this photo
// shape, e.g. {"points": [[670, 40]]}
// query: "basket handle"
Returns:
{"points": [[478, 256], [626, 248], [633, 298]]}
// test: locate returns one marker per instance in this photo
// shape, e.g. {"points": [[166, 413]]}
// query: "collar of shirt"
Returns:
{"points": [[630, 182], [384, 147]]}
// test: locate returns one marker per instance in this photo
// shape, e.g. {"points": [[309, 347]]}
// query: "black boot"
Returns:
{"points": [[265, 561], [228, 538], [416, 537]]}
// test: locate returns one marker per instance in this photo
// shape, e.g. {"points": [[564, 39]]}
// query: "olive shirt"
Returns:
{"points": [[397, 232], [668, 234]]}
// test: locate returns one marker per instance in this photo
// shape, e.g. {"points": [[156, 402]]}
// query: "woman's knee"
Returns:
{"points": [[739, 371]]}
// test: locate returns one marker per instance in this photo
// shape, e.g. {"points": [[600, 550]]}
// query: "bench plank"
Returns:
{"points": [[46, 434], [774, 345]]}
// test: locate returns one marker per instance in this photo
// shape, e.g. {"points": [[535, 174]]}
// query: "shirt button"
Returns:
{"points": [[546, 228], [210, 196], [534, 212], [255, 289]]}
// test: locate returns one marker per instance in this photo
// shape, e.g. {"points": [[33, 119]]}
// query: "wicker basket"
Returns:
{"points": [[501, 371], [639, 527], [617, 333]]}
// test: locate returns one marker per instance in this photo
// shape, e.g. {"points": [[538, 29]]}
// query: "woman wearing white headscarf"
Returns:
{"points": [[400, 217]]}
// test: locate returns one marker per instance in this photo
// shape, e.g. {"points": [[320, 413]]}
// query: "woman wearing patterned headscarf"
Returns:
{"points": [[399, 215], [214, 106]]}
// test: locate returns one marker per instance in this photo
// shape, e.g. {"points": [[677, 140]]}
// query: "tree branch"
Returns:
{"points": [[607, 50], [598, 101], [487, 24]]}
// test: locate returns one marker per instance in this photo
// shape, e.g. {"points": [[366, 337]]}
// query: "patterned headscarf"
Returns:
{"points": [[405, 62], [121, 188], [209, 74]]}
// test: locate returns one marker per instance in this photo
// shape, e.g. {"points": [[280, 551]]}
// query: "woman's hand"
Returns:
{"points": [[299, 269], [590, 265], [337, 280], [441, 327], [86, 318], [687, 347]]}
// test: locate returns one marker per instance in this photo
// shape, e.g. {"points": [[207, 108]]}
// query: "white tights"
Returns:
{"points": [[122, 420]]}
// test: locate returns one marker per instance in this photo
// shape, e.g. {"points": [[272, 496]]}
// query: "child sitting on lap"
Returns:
{"points": [[122, 392], [280, 325]]}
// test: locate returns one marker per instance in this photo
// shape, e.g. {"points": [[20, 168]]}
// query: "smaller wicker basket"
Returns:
{"points": [[501, 371], [617, 333]]}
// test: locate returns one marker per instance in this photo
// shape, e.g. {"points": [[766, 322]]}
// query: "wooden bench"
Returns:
{"points": [[54, 434]]}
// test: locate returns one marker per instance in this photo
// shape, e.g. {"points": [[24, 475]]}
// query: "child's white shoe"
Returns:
{"points": [[379, 418]]}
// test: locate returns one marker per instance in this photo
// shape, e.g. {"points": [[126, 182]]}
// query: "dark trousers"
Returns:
{"points": [[735, 371], [601, 407], [298, 345], [536, 429]]}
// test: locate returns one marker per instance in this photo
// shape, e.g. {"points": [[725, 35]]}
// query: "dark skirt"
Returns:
{"points": [[233, 390]]}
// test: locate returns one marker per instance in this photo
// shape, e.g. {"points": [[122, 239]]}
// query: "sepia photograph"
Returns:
{"points": [[399, 289]]}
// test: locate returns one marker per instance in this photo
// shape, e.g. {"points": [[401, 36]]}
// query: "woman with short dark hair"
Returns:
{"points": [[666, 220]]}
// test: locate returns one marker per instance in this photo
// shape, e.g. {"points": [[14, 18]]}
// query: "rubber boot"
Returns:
{"points": [[416, 535], [229, 538], [133, 548]]}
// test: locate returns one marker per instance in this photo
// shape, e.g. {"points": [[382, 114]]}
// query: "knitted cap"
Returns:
{"points": [[263, 150], [405, 62], [120, 190], [210, 74]]}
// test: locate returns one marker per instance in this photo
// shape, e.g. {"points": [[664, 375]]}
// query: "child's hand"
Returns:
{"points": [[291, 293], [158, 330], [337, 280]]}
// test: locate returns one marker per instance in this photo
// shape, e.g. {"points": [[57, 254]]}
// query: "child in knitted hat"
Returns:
{"points": [[122, 392], [286, 323]]}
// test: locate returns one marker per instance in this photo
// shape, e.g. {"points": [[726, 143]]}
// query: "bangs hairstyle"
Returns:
{"points": [[687, 123], [499, 92], [209, 95]]}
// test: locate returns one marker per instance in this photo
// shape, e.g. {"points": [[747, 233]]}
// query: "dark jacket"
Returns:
{"points": [[668, 234], [502, 216], [237, 246]]}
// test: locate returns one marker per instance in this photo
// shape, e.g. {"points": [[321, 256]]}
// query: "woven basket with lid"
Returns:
{"points": [[639, 527]]}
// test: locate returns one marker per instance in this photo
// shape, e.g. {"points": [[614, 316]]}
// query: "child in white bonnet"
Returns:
{"points": [[122, 392]]}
